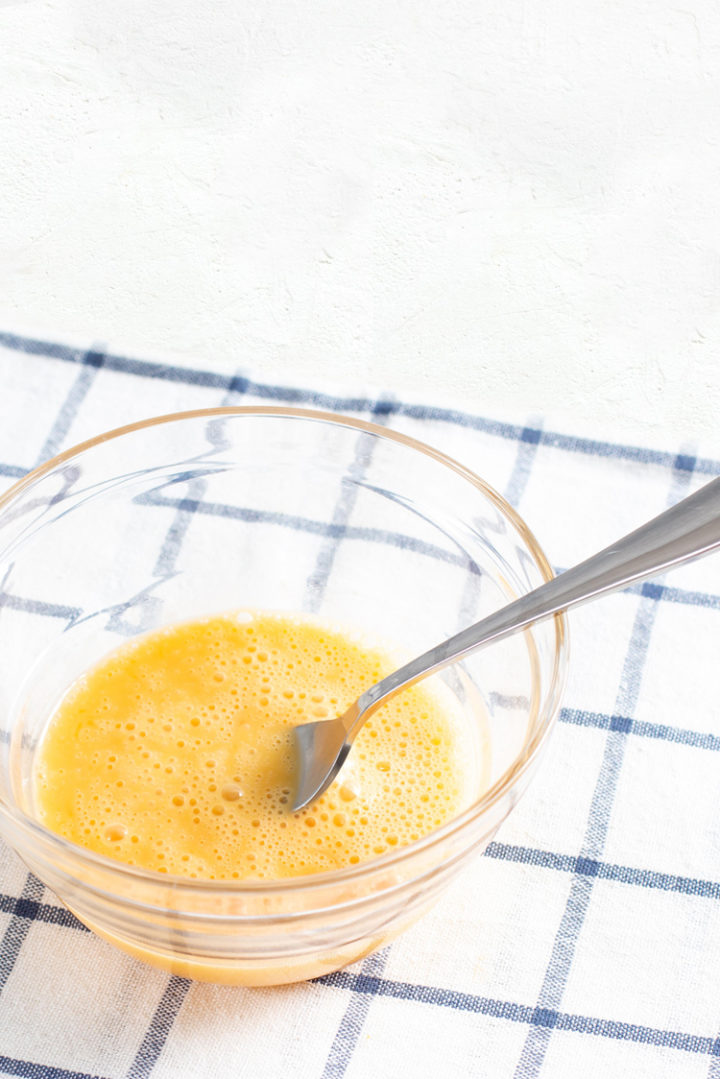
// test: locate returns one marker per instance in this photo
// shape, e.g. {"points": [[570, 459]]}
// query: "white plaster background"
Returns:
{"points": [[510, 203]]}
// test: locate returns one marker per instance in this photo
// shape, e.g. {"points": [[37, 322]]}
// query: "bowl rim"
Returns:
{"points": [[392, 859]]}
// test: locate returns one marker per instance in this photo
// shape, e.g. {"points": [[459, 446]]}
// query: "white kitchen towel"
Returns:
{"points": [[585, 941]]}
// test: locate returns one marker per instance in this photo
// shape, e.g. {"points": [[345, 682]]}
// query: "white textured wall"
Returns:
{"points": [[511, 201]]}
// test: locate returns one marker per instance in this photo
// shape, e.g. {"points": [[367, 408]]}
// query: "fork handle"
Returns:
{"points": [[687, 530]]}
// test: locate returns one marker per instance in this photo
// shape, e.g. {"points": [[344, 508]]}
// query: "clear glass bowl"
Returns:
{"points": [[273, 509]]}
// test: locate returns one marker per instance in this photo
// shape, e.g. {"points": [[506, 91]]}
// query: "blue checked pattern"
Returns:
{"points": [[585, 942]]}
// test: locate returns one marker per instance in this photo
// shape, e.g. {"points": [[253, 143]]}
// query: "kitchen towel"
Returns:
{"points": [[585, 941]]}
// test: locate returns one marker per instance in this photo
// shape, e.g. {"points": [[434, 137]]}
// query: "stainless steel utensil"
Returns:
{"points": [[687, 530]]}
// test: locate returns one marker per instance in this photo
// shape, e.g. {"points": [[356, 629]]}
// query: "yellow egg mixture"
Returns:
{"points": [[175, 753]]}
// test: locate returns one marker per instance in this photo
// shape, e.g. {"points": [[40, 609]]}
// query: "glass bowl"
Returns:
{"points": [[276, 509]]}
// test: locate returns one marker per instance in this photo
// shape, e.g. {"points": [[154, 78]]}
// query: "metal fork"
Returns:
{"points": [[687, 530]]}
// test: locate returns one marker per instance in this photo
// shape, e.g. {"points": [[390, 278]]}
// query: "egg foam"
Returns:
{"points": [[175, 753]]}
